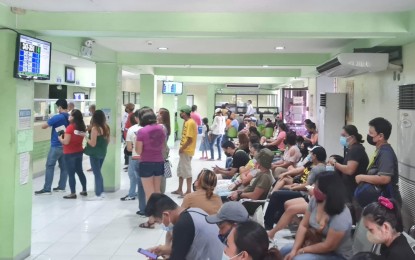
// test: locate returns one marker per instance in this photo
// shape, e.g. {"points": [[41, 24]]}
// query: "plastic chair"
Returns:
{"points": [[269, 131], [232, 132], [261, 129]]}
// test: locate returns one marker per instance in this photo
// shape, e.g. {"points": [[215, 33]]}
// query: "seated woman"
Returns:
{"points": [[312, 135], [243, 141], [278, 142], [253, 131], [261, 184], [248, 240], [327, 220], [383, 221], [291, 155], [203, 196], [275, 207]]}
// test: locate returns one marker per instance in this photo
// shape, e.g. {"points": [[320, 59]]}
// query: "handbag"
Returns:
{"points": [[167, 169], [312, 237], [367, 193]]}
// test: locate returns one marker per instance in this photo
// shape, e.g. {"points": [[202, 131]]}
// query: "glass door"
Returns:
{"points": [[294, 109]]}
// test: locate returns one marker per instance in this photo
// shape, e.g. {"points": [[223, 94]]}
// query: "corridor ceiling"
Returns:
{"points": [[234, 40]]}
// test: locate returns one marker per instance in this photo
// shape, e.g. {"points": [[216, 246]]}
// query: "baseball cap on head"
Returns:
{"points": [[186, 109], [264, 157], [217, 110], [232, 211]]}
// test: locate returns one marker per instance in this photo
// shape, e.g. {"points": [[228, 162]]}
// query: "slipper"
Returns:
{"points": [[147, 225], [177, 193]]}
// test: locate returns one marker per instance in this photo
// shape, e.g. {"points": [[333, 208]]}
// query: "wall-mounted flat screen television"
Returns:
{"points": [[172, 87], [79, 96], [32, 58], [69, 74]]}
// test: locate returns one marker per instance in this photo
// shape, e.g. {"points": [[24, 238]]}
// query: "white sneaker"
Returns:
{"points": [[96, 198]]}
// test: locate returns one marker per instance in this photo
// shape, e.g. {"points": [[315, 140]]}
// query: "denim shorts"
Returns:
{"points": [[150, 169]]}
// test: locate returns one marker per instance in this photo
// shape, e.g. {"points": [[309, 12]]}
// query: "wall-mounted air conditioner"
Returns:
{"points": [[352, 64]]}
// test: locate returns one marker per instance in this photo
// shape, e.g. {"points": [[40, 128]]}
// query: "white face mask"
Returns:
{"points": [[225, 257], [254, 172], [168, 228], [375, 239]]}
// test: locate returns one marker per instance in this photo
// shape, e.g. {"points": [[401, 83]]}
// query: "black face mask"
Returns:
{"points": [[228, 154], [369, 139], [224, 238]]}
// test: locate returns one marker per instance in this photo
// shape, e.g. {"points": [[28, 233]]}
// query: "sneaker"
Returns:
{"points": [[83, 193], [141, 214], [96, 198], [57, 189], [42, 192], [70, 196], [127, 198]]}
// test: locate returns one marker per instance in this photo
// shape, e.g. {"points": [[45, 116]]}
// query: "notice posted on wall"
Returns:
{"points": [[25, 119], [24, 162]]}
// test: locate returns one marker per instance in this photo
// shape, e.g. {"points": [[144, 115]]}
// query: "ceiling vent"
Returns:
{"points": [[242, 86], [352, 64]]}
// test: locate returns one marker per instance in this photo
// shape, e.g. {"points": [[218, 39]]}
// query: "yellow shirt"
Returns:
{"points": [[189, 130]]}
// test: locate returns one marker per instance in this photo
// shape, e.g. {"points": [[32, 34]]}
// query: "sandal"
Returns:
{"points": [[147, 225]]}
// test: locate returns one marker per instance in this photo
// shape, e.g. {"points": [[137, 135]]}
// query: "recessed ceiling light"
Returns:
{"points": [[280, 48], [163, 48]]}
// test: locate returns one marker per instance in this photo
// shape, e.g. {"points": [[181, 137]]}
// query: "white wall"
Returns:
{"points": [[131, 85]]}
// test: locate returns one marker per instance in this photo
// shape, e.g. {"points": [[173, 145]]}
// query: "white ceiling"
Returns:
{"points": [[214, 5], [220, 46]]}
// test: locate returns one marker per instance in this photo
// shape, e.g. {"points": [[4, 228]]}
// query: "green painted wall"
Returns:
{"points": [[148, 90]]}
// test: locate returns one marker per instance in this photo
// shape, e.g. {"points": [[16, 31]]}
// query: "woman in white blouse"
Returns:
{"points": [[217, 129]]}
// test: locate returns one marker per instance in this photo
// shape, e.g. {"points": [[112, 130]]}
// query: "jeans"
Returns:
{"points": [[55, 154], [217, 139], [73, 163], [96, 165], [287, 249], [276, 208], [133, 177], [142, 203]]}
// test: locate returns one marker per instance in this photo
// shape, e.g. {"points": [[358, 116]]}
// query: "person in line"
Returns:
{"points": [[97, 145], [192, 238], [275, 207], [73, 152], [204, 143], [133, 159], [203, 196], [383, 221], [248, 240], [149, 147], [129, 109], [186, 151], [196, 116], [250, 110], [217, 130], [328, 218], [71, 107], [239, 159], [57, 123], [291, 155], [261, 184], [312, 135], [92, 108], [383, 165], [163, 118], [278, 143]]}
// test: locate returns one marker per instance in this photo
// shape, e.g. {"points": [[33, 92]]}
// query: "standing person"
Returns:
{"points": [[73, 152], [196, 116], [57, 123], [91, 110], [383, 165], [217, 130], [204, 144], [97, 149], [129, 108], [186, 151], [132, 162], [383, 221], [151, 139], [71, 107], [163, 118], [250, 111]]}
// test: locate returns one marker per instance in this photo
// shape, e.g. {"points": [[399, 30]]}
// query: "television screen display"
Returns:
{"points": [[79, 96], [172, 87], [69, 75], [32, 58]]}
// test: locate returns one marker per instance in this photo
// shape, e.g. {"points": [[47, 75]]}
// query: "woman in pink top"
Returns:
{"points": [[278, 143]]}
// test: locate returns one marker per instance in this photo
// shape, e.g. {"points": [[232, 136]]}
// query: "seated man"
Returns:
{"points": [[193, 237], [262, 182], [239, 159]]}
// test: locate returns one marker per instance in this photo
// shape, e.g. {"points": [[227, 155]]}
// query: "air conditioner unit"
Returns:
{"points": [[243, 86], [352, 64]]}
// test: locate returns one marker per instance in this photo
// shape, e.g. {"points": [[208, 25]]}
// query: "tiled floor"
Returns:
{"points": [[80, 229]]}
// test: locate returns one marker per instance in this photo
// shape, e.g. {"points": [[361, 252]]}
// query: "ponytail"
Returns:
{"points": [[273, 254]]}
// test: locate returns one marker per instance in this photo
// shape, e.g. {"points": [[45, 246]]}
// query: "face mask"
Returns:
{"points": [[254, 172], [330, 168], [369, 139], [224, 238], [225, 257], [168, 228], [343, 141], [375, 239], [319, 195], [308, 158]]}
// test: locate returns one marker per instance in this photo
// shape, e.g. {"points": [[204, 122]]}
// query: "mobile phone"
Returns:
{"points": [[147, 253]]}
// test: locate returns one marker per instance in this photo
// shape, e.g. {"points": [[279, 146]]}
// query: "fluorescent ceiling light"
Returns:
{"points": [[74, 58], [280, 48], [163, 48], [127, 73], [265, 66]]}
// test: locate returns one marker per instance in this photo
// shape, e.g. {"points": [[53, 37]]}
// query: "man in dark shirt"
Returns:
{"points": [[193, 237], [239, 158]]}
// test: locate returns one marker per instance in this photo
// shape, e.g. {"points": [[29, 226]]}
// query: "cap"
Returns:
{"points": [[217, 110], [264, 157], [130, 106], [186, 109], [253, 119], [230, 211]]}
